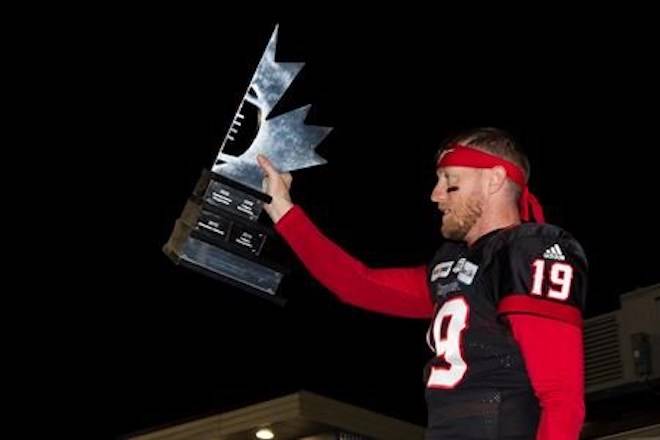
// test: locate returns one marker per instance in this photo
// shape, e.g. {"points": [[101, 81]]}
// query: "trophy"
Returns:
{"points": [[219, 233]]}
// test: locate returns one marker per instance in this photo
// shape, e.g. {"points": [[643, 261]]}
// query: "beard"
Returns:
{"points": [[461, 218]]}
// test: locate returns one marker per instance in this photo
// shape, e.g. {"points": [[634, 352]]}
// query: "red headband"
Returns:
{"points": [[462, 156]]}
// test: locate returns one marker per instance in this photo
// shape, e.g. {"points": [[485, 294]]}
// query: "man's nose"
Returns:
{"points": [[439, 194]]}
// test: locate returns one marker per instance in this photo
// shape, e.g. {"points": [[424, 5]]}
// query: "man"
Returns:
{"points": [[504, 295]]}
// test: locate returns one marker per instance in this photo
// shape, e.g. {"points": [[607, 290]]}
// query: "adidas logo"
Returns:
{"points": [[554, 253]]}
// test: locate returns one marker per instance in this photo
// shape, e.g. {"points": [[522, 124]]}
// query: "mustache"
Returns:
{"points": [[471, 206]]}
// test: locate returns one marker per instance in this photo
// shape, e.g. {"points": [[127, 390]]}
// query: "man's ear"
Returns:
{"points": [[497, 179]]}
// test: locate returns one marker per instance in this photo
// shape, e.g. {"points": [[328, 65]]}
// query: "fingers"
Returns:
{"points": [[270, 171], [266, 165]]}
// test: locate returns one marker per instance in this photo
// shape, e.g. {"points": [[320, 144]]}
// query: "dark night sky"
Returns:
{"points": [[174, 344]]}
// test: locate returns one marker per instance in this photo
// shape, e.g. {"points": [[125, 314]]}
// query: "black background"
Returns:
{"points": [[158, 343]]}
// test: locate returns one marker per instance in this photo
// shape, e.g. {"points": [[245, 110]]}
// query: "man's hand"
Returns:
{"points": [[276, 185]]}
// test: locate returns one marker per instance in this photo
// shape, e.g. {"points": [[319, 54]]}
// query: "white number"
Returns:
{"points": [[537, 278], [561, 277], [448, 348]]}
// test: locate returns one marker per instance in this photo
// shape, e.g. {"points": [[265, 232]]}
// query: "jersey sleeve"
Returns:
{"points": [[544, 274], [402, 292], [557, 375]]}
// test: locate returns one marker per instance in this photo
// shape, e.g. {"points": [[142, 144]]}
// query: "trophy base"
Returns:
{"points": [[224, 251], [230, 268]]}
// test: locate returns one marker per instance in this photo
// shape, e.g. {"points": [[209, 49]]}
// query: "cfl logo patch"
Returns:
{"points": [[468, 272]]}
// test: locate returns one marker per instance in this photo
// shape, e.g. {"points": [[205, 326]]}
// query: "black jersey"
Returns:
{"points": [[477, 384]]}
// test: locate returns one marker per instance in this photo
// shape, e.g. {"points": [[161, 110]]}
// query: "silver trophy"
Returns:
{"points": [[219, 233]]}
